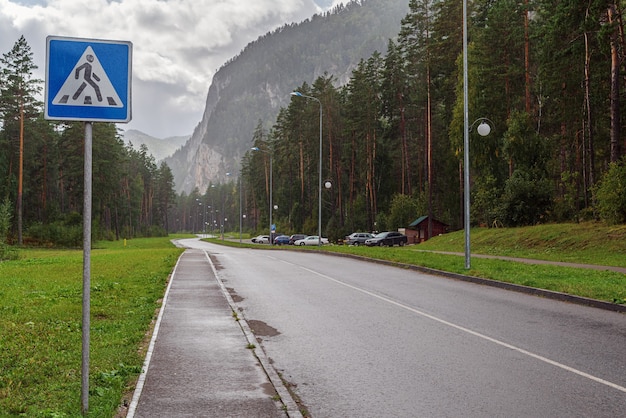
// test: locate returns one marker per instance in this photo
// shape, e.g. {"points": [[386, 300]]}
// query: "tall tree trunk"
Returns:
{"points": [[622, 48], [20, 181], [615, 102], [301, 171], [352, 179], [403, 147], [589, 124], [527, 57]]}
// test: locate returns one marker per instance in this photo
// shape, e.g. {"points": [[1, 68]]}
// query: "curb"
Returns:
{"points": [[291, 408]]}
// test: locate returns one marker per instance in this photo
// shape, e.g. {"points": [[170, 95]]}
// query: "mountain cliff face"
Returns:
{"points": [[253, 86]]}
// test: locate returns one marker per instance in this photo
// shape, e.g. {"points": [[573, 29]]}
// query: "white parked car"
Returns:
{"points": [[261, 239], [311, 240]]}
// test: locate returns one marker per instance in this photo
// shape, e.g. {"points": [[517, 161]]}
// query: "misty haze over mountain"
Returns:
{"points": [[157, 147], [254, 85]]}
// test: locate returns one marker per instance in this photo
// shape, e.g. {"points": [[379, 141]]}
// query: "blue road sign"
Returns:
{"points": [[88, 80]]}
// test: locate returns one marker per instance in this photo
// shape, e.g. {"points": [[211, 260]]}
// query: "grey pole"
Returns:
{"points": [[319, 200], [466, 176], [86, 268]]}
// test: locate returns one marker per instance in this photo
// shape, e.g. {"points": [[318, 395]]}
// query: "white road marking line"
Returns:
{"points": [[477, 334]]}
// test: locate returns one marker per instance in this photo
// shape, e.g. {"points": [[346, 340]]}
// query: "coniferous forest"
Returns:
{"points": [[42, 166], [547, 76]]}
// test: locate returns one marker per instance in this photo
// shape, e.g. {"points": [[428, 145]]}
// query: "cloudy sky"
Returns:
{"points": [[178, 45]]}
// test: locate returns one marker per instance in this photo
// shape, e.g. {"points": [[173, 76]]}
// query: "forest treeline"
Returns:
{"points": [[548, 77], [42, 166]]}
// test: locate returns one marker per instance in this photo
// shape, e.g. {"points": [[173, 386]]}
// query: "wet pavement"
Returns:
{"points": [[200, 362]]}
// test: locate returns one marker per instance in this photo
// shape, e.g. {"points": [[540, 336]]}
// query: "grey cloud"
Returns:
{"points": [[177, 45]]}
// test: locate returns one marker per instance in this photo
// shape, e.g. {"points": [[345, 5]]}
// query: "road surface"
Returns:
{"points": [[365, 340]]}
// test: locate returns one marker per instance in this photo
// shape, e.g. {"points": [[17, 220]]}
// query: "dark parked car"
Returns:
{"points": [[296, 237], [358, 238], [281, 240], [389, 238]]}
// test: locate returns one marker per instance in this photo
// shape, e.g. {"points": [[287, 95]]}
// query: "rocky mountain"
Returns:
{"points": [[253, 86], [159, 148]]}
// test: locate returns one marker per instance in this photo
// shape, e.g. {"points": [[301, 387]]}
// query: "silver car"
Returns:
{"points": [[311, 240], [358, 238]]}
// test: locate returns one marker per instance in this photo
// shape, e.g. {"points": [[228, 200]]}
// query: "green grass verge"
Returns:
{"points": [[40, 325], [588, 243]]}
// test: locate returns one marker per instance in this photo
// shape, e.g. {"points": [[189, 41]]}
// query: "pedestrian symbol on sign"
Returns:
{"points": [[88, 78]]}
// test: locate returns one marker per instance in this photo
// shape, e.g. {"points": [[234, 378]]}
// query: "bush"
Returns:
{"points": [[5, 220], [7, 252], [403, 211], [526, 199], [66, 233], [154, 231], [610, 194], [485, 201]]}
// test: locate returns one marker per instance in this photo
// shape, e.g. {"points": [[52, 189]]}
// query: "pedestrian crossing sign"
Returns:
{"points": [[88, 80]]}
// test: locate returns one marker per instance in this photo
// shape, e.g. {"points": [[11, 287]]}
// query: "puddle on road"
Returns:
{"points": [[236, 298], [260, 328], [216, 262]]}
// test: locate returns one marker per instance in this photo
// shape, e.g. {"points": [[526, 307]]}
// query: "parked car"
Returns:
{"points": [[281, 240], [295, 237], [389, 238], [261, 239], [311, 240], [358, 238]]}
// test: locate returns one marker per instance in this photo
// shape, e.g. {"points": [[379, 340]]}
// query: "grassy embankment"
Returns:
{"points": [[588, 243], [40, 325]]}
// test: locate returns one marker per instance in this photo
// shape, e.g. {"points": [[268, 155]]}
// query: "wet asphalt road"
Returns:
{"points": [[366, 340]]}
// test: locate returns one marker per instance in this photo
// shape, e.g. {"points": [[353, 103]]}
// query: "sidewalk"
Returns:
{"points": [[199, 363]]}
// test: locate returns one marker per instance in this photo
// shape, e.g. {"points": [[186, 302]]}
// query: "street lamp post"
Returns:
{"points": [[271, 187], [483, 129], [466, 191], [319, 200]]}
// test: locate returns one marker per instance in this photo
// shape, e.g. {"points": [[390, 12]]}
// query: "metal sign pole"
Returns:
{"points": [[77, 70], [86, 268]]}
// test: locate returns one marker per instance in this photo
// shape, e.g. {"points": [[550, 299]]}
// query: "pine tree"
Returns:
{"points": [[18, 105]]}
